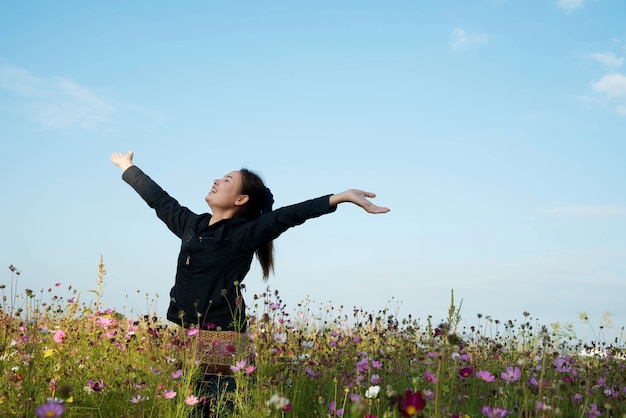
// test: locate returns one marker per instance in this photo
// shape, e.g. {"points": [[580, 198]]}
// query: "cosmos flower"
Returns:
{"points": [[191, 400], [192, 331], [95, 386], [593, 411], [485, 376], [169, 394], [278, 402], [332, 408], [410, 403], [241, 365], [137, 398], [494, 412], [430, 378], [562, 365], [372, 392], [59, 336], [511, 374], [50, 409], [466, 372]]}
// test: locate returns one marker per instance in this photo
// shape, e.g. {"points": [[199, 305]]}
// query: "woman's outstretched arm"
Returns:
{"points": [[359, 198], [123, 161]]}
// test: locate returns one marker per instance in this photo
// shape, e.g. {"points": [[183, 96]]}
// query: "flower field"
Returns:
{"points": [[65, 357]]}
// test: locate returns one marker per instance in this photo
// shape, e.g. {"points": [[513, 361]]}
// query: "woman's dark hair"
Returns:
{"points": [[258, 196]]}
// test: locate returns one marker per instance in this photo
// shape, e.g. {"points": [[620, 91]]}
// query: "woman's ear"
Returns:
{"points": [[242, 200]]}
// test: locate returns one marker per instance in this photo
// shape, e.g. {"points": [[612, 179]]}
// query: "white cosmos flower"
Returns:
{"points": [[372, 392]]}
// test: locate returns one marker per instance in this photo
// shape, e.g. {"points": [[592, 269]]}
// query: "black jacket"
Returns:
{"points": [[213, 258]]}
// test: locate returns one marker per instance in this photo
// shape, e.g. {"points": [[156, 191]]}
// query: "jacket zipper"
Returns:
{"points": [[189, 255]]}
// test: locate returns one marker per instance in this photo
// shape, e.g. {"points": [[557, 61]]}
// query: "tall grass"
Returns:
{"points": [[63, 356]]}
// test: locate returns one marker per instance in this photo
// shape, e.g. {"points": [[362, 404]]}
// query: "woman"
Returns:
{"points": [[218, 247]]}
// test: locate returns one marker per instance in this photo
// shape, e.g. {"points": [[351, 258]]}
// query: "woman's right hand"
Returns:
{"points": [[122, 161]]}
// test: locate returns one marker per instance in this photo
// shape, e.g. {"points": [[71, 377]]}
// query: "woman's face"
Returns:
{"points": [[226, 192]]}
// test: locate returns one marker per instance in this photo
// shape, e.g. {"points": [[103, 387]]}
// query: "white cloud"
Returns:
{"points": [[55, 102], [586, 210], [612, 85], [460, 39], [607, 58], [569, 5]]}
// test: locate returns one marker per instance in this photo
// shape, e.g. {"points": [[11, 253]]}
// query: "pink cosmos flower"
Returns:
{"points": [[104, 322], [169, 394], [177, 374], [191, 400], [494, 412], [138, 398], [192, 331], [594, 411], [485, 376], [95, 386], [241, 365], [430, 378], [511, 374], [562, 365], [333, 411], [59, 336]]}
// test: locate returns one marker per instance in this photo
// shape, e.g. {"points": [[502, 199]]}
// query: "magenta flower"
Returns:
{"points": [[192, 331], [511, 374], [104, 322], [191, 400], [95, 386], [465, 372], [593, 411], [50, 409], [59, 336], [411, 403], [333, 411], [494, 412], [177, 374], [430, 378], [562, 365], [363, 365], [485, 376]]}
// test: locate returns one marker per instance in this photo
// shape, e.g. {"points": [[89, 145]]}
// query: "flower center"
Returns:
{"points": [[411, 410]]}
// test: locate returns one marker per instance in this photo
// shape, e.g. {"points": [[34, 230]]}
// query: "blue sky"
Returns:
{"points": [[493, 129]]}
